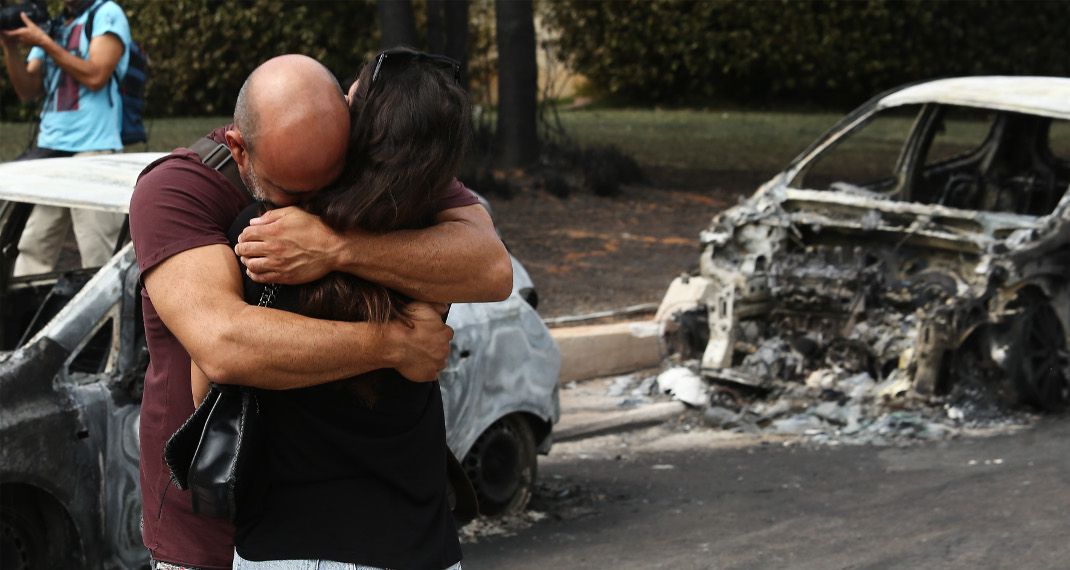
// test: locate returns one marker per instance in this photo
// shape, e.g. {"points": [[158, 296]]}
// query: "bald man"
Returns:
{"points": [[289, 141]]}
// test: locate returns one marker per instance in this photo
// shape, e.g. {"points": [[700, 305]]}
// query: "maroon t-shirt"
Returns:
{"points": [[179, 204]]}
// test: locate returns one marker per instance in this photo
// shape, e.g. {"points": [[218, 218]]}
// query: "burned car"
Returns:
{"points": [[923, 239], [72, 368]]}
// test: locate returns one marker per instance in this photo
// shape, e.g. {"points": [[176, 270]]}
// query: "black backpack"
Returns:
{"points": [[131, 87]]}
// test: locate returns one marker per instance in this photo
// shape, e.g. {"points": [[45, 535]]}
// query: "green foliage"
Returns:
{"points": [[202, 50], [815, 52], [721, 141], [661, 140]]}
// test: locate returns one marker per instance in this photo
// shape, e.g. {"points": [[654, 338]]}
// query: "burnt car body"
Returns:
{"points": [[924, 238], [72, 368]]}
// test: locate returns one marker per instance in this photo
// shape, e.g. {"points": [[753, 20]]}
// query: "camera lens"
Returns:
{"points": [[10, 19]]}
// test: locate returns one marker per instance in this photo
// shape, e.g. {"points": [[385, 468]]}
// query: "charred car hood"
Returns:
{"points": [[874, 216], [830, 264]]}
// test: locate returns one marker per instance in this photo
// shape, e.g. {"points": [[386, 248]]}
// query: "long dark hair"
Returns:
{"points": [[409, 131]]}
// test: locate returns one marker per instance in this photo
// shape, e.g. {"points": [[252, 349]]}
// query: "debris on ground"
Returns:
{"points": [[632, 389], [835, 406], [483, 528], [828, 405], [555, 498], [684, 385]]}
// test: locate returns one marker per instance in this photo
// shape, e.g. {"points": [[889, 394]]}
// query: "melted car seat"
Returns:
{"points": [[1021, 176]]}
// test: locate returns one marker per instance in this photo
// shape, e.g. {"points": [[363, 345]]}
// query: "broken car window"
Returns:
{"points": [[30, 301], [993, 162], [1059, 142], [959, 132], [866, 159], [956, 154]]}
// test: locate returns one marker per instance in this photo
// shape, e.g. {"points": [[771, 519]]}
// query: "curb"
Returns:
{"points": [[616, 422], [595, 351]]}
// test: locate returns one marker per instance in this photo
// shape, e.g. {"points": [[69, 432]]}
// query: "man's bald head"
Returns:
{"points": [[293, 122]]}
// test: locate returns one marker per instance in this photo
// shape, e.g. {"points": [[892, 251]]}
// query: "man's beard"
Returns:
{"points": [[252, 183]]}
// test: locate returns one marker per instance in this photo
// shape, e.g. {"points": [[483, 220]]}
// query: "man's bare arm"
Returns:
{"points": [[26, 78], [459, 259], [198, 295], [95, 72], [198, 382]]}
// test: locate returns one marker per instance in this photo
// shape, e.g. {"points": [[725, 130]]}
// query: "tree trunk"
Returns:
{"points": [[518, 143], [456, 13], [397, 25]]}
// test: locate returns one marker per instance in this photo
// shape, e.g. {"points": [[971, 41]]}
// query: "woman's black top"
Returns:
{"points": [[356, 469]]}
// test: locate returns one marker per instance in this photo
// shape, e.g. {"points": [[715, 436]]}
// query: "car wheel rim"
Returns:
{"points": [[1044, 357], [499, 472], [501, 467], [14, 552]]}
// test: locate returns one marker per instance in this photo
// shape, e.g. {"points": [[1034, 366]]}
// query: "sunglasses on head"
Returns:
{"points": [[397, 58]]}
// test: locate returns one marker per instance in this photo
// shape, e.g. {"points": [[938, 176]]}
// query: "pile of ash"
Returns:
{"points": [[836, 406]]}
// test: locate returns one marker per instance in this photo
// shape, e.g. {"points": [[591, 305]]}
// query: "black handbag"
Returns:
{"points": [[218, 451], [215, 453], [461, 495]]}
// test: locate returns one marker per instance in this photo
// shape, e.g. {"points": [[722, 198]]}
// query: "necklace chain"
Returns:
{"points": [[267, 296]]}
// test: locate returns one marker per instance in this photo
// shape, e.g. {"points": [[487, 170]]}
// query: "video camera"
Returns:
{"points": [[36, 10]]}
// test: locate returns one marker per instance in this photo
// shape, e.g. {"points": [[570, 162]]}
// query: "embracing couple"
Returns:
{"points": [[354, 224]]}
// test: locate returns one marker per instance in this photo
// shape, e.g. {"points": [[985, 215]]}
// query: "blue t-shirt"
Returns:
{"points": [[74, 118]]}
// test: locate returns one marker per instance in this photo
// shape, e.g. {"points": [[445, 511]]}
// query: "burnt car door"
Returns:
{"points": [[69, 410]]}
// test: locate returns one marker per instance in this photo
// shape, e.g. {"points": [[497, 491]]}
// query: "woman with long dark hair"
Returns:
{"points": [[356, 469]]}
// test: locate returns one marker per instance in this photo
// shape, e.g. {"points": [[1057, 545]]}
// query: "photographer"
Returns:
{"points": [[80, 116]]}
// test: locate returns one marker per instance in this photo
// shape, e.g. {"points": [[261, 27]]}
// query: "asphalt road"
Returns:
{"points": [[991, 502]]}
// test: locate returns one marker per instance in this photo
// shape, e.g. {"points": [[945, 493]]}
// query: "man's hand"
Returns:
{"points": [[8, 42], [459, 259], [26, 77], [420, 346], [31, 35], [198, 295], [288, 246], [94, 73]]}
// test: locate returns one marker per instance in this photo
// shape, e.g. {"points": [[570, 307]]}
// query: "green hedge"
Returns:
{"points": [[801, 52], [202, 50]]}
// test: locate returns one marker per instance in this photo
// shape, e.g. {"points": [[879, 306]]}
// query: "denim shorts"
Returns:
{"points": [[243, 564]]}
